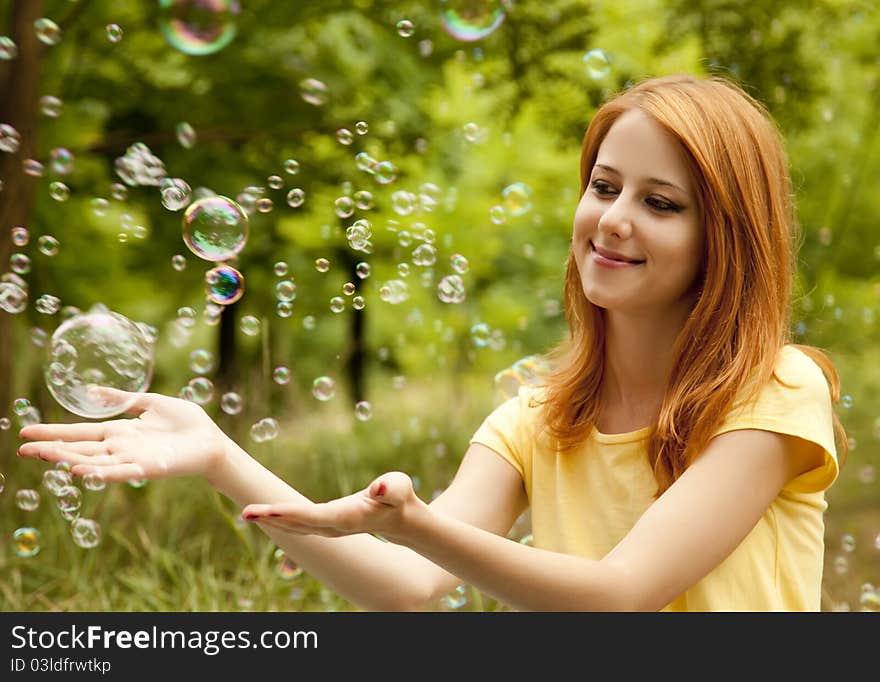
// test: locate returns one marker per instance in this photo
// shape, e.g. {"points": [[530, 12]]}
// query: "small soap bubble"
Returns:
{"points": [[114, 32], [48, 32], [26, 541], [176, 193], [337, 304], [250, 325], [459, 263], [198, 27], [313, 91], [224, 285], [285, 290], [48, 245], [202, 390], [597, 64], [291, 166], [323, 388], [56, 480], [361, 127], [451, 289], [472, 20], [481, 334], [13, 299], [32, 167], [362, 270], [517, 198], [264, 204], [405, 28], [47, 304], [281, 375], [394, 291], [69, 499], [86, 533], [8, 48], [10, 138], [27, 499], [94, 481], [472, 132], [296, 197], [59, 191], [201, 361], [309, 323], [61, 161], [285, 567], [344, 207], [344, 136], [20, 236], [348, 288], [20, 406], [363, 410], [322, 265], [280, 268], [231, 403], [284, 309], [498, 215], [275, 181], [51, 106], [385, 172], [358, 303], [178, 262]]}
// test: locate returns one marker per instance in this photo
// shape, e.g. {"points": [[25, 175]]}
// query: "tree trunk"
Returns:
{"points": [[20, 85]]}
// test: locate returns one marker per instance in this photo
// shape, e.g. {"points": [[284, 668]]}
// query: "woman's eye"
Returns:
{"points": [[601, 187], [663, 205]]}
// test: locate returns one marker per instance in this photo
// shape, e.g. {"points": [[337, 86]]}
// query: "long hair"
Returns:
{"points": [[742, 315]]}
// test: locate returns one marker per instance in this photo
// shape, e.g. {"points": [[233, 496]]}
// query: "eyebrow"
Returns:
{"points": [[653, 181]]}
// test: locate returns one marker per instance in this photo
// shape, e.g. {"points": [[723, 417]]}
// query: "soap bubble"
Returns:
{"points": [[281, 375], [186, 135], [27, 499], [517, 198], [231, 403], [362, 270], [322, 264], [86, 533], [55, 480], [50, 106], [405, 28], [94, 481], [597, 64], [10, 138], [26, 541], [48, 32], [394, 291], [201, 361], [470, 20], [451, 289], [176, 193], [13, 299], [296, 197], [323, 388], [94, 349], [61, 160], [385, 172], [224, 285], [250, 325], [8, 48], [139, 166], [48, 245], [363, 410], [198, 27], [313, 91], [114, 32], [215, 228]]}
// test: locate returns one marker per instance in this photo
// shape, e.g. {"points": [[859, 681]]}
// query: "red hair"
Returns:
{"points": [[742, 316]]}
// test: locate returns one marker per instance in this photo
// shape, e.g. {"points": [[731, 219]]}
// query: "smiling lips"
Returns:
{"points": [[611, 259]]}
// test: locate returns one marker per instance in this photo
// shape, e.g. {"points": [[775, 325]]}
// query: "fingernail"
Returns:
{"points": [[380, 491], [274, 514], [249, 517]]}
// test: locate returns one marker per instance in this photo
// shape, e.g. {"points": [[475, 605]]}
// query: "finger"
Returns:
{"points": [[65, 432], [59, 454], [392, 488], [39, 448], [114, 473], [284, 527], [285, 513]]}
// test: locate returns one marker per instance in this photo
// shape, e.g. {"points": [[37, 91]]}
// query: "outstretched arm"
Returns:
{"points": [[172, 437], [688, 531]]}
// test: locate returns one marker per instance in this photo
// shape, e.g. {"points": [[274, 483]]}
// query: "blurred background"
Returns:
{"points": [[407, 174]]}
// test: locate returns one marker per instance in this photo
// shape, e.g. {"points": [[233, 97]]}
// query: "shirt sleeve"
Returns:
{"points": [[805, 411], [505, 432]]}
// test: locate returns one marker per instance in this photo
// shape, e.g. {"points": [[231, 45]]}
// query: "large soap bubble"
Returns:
{"points": [[470, 20], [198, 27], [96, 349], [215, 228]]}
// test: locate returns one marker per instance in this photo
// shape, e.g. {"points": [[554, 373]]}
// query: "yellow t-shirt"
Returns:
{"points": [[585, 501]]}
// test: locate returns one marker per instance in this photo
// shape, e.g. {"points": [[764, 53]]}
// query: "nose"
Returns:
{"points": [[616, 219]]}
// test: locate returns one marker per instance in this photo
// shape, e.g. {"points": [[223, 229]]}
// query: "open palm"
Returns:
{"points": [[168, 437]]}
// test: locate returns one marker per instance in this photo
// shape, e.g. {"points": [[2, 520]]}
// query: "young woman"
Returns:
{"points": [[675, 459]]}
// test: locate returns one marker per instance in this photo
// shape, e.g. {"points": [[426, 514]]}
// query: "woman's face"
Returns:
{"points": [[640, 203]]}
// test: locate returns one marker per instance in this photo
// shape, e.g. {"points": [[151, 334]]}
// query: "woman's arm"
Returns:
{"points": [[688, 531]]}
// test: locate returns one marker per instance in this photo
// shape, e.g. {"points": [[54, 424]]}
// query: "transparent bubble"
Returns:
{"points": [[10, 139], [323, 388], [26, 541], [459, 263], [69, 499], [48, 245], [403, 202], [517, 198], [201, 361], [471, 20], [363, 410], [275, 181], [198, 27], [365, 162], [61, 161], [840, 565], [2, 476], [424, 255], [309, 323], [322, 264], [362, 270], [48, 32], [231, 403], [176, 193], [178, 262], [285, 290], [264, 204], [8, 48], [498, 215], [313, 91], [358, 303], [361, 127], [20, 406], [280, 268], [597, 64], [59, 191], [848, 542], [405, 28], [186, 316], [99, 349], [337, 304], [20, 236], [119, 191], [86, 533], [846, 401], [186, 135], [250, 325], [296, 197], [481, 334], [348, 288], [13, 299], [285, 567], [56, 480], [284, 309], [47, 304], [215, 228], [114, 32], [94, 481], [291, 166], [281, 375], [472, 132], [344, 136], [32, 167], [451, 289], [456, 599], [385, 172], [344, 207], [27, 499], [224, 285], [394, 291], [50, 106], [363, 200]]}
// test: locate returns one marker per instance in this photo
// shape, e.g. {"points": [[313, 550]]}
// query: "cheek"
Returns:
{"points": [[586, 217]]}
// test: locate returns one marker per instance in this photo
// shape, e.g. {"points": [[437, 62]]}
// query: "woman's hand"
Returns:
{"points": [[383, 507], [168, 437]]}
